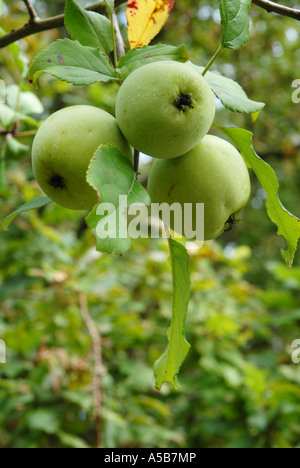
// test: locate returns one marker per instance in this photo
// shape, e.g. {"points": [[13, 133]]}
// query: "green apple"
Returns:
{"points": [[165, 108], [213, 173], [62, 150]]}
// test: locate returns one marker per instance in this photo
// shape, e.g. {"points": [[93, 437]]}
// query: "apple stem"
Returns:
{"points": [[213, 59], [136, 162]]}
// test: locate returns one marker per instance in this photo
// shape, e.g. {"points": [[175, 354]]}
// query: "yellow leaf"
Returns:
{"points": [[146, 18], [255, 116]]}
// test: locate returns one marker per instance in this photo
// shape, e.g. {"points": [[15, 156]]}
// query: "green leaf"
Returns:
{"points": [[43, 420], [1, 7], [20, 59], [32, 205], [111, 174], [230, 93], [168, 366], [137, 58], [8, 117], [15, 147], [235, 23], [288, 224], [89, 28], [255, 116], [25, 102], [72, 441], [72, 62]]}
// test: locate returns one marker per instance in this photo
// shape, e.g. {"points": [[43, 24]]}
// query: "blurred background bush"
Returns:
{"points": [[238, 386]]}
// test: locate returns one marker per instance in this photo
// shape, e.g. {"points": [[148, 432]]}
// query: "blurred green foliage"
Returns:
{"points": [[238, 387]]}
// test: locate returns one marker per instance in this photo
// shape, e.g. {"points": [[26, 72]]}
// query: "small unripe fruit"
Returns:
{"points": [[165, 108], [213, 173], [62, 150]]}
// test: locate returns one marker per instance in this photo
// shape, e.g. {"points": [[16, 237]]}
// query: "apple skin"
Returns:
{"points": [[213, 173], [62, 150], [165, 108]]}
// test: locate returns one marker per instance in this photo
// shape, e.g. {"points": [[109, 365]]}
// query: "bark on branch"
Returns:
{"points": [[32, 13], [36, 25], [272, 7]]}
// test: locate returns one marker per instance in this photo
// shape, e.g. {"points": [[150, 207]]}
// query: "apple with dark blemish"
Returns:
{"points": [[165, 108], [213, 173], [62, 150]]}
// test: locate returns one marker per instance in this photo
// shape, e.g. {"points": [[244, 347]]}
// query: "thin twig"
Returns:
{"points": [[119, 38], [17, 134], [98, 367], [26, 134], [32, 13], [136, 161], [213, 59], [37, 26], [282, 10]]}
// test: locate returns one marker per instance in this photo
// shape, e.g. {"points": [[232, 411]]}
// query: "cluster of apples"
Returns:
{"points": [[165, 110]]}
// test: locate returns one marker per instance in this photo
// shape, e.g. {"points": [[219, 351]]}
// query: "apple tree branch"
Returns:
{"points": [[272, 7], [32, 13], [37, 25]]}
